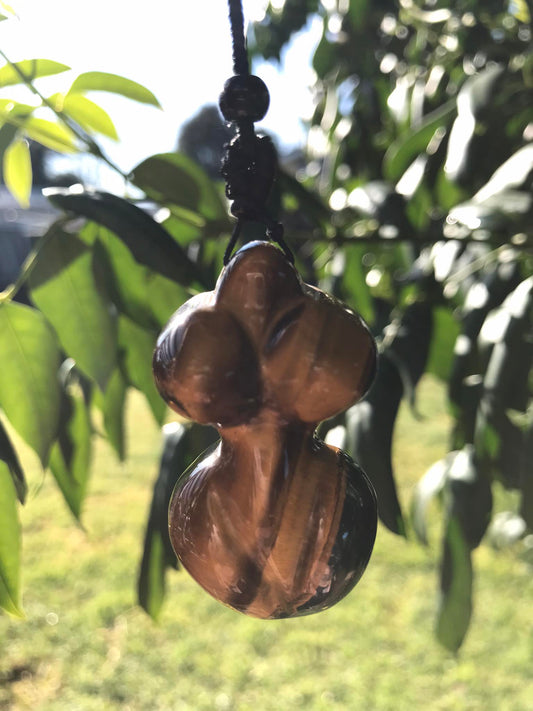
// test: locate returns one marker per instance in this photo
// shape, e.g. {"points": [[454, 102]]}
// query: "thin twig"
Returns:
{"points": [[75, 128]]}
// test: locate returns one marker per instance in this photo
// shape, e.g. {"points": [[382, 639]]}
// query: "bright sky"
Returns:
{"points": [[179, 49]]}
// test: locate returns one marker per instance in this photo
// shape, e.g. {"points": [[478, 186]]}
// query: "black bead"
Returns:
{"points": [[245, 96]]}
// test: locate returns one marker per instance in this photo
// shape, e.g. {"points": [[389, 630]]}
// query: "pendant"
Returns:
{"points": [[271, 520]]}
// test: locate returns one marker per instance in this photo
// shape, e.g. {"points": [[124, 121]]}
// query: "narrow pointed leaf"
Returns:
{"points": [[182, 445], [176, 179], [429, 486], [469, 495], [71, 454], [407, 147], [89, 115], [29, 388], [17, 171], [446, 330], [456, 576], [157, 552], [31, 69], [10, 545], [65, 288], [369, 429], [103, 81], [137, 346], [9, 456], [149, 243], [52, 135], [112, 405]]}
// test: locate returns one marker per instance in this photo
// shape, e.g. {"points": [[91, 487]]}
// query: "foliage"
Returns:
{"points": [[414, 207]]}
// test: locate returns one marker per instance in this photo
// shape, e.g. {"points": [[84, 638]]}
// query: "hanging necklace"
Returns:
{"points": [[271, 521]]}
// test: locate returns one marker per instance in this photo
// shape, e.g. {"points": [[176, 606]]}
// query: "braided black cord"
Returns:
{"points": [[240, 56], [250, 162]]}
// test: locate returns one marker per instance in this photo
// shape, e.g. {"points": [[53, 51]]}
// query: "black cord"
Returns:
{"points": [[249, 165], [240, 55]]}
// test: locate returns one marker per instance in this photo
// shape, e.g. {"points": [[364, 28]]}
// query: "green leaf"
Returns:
{"points": [[89, 115], [441, 352], [474, 96], [71, 454], [182, 445], [29, 389], [139, 293], [429, 486], [137, 346], [10, 545], [52, 135], [149, 243], [526, 503], [157, 551], [8, 133], [175, 179], [17, 171], [103, 81], [469, 495], [112, 406], [354, 283], [65, 288], [455, 606], [31, 69], [405, 149], [369, 429], [9, 456]]}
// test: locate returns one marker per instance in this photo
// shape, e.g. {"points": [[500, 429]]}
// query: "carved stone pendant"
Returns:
{"points": [[271, 521]]}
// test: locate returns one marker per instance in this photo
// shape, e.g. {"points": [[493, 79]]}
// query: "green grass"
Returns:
{"points": [[85, 645]]}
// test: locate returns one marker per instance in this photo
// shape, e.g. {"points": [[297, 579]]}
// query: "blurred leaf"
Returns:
{"points": [[325, 57], [10, 546], [469, 495], [103, 81], [405, 149], [309, 202], [17, 171], [512, 174], [369, 428], [474, 96], [456, 575], [407, 341], [429, 486], [65, 288], [112, 406], [71, 454], [441, 352], [31, 69], [137, 346], [358, 12], [509, 212], [175, 179], [29, 389], [357, 292], [182, 445], [157, 552], [52, 135], [526, 503], [9, 456], [89, 115], [149, 243], [7, 134]]}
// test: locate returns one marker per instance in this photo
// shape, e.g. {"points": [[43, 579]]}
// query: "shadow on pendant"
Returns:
{"points": [[274, 532]]}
